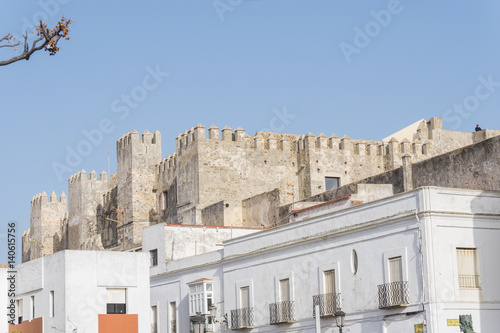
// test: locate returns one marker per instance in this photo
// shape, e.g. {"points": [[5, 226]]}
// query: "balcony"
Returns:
{"points": [[328, 304], [282, 312], [393, 294], [172, 326], [468, 281], [242, 318]]}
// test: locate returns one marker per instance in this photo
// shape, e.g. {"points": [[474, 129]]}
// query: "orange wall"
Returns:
{"points": [[34, 326], [123, 323]]}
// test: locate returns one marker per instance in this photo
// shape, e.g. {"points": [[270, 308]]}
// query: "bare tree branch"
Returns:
{"points": [[47, 39]]}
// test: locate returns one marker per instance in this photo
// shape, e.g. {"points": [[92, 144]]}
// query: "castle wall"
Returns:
{"points": [[46, 219], [239, 166], [166, 195], [108, 217], [136, 164], [85, 205], [261, 210]]}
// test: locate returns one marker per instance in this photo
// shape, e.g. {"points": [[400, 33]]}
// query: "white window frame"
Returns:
{"points": [[203, 295], [479, 264], [174, 316], [242, 284], [156, 315], [277, 279], [321, 276], [52, 309], [32, 307], [401, 252]]}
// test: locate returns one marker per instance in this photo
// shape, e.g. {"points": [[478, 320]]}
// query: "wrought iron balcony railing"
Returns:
{"points": [[154, 328], [282, 312], [242, 318], [393, 294], [468, 281], [172, 326], [328, 304]]}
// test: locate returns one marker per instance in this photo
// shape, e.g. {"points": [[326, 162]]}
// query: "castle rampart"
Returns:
{"points": [[219, 177]]}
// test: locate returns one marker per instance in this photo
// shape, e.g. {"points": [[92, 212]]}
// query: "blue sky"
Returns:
{"points": [[361, 68]]}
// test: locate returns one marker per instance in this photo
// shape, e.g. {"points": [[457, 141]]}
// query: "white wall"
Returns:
{"points": [[79, 280], [174, 288], [175, 242], [477, 226], [435, 218]]}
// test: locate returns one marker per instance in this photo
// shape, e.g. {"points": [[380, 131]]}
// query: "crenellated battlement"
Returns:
{"points": [[82, 175], [42, 198], [132, 138], [167, 164]]}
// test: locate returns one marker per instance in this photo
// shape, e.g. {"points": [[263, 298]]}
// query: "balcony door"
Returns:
{"points": [[245, 306], [284, 299], [395, 270]]}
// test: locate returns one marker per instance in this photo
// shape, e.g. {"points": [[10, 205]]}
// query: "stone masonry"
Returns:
{"points": [[222, 178]]}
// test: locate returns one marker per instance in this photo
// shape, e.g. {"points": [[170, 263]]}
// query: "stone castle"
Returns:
{"points": [[225, 179]]}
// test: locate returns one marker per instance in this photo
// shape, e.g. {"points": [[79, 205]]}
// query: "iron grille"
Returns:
{"points": [[393, 294], [282, 312], [242, 318], [328, 304], [172, 326], [468, 281]]}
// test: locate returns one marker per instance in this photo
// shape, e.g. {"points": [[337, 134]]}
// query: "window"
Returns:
{"points": [[154, 316], [332, 182], [395, 269], [283, 311], [116, 301], [173, 317], [468, 277], [329, 281], [19, 311], [354, 261], [51, 304], [285, 290], [244, 297], [200, 296], [328, 301], [164, 200], [153, 255], [32, 307]]}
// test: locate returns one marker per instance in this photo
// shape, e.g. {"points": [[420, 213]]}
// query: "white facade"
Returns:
{"points": [[410, 240], [69, 289]]}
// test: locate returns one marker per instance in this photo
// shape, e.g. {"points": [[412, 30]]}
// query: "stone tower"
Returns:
{"points": [[85, 202], [45, 233], [136, 198]]}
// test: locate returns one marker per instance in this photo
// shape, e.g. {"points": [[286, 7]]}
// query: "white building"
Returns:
{"points": [[85, 291], [411, 262]]}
